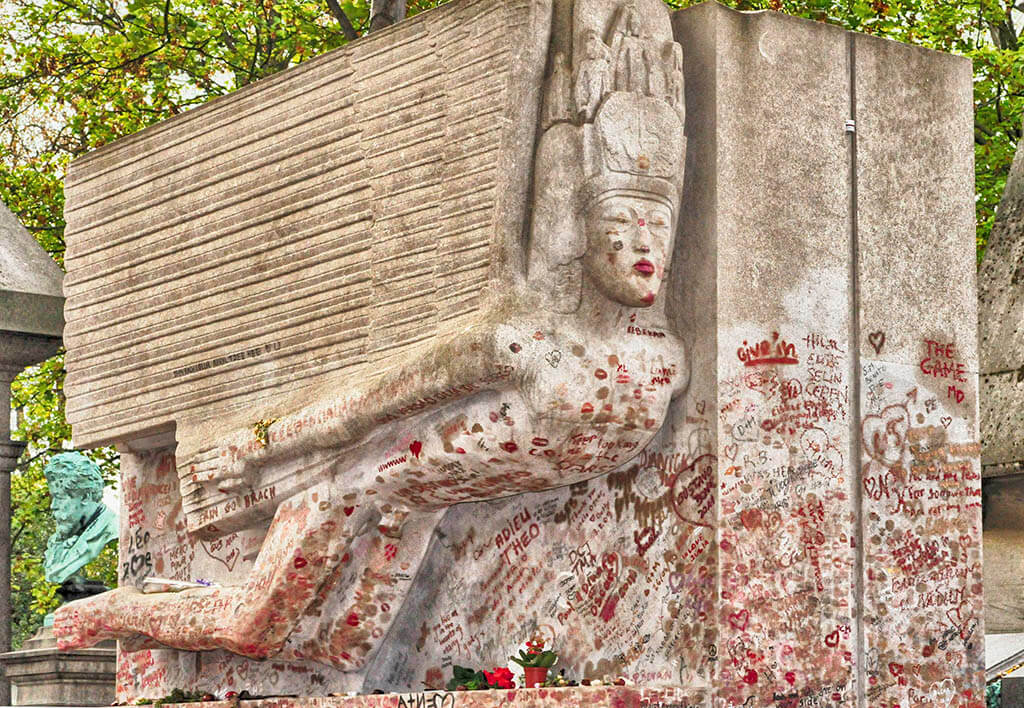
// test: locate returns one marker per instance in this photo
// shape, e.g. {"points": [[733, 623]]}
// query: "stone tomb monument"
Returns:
{"points": [[651, 334]]}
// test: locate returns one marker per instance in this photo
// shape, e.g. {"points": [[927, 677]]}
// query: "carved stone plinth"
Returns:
{"points": [[42, 675], [575, 697]]}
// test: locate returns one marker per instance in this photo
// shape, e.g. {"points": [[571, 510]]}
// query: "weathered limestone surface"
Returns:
{"points": [[745, 466], [596, 697], [1001, 332], [31, 301], [1001, 336], [42, 675]]}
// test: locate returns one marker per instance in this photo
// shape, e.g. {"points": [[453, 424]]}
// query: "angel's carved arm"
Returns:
{"points": [[446, 371]]}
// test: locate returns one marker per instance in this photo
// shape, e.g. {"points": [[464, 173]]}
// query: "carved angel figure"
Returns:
{"points": [[592, 76], [565, 379]]}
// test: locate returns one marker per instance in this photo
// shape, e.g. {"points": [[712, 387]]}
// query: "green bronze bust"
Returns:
{"points": [[84, 523]]}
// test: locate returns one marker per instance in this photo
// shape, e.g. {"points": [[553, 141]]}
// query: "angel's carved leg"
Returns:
{"points": [[355, 620], [305, 544]]}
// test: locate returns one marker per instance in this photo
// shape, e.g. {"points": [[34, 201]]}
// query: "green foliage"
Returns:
{"points": [[471, 679], [545, 659], [176, 696]]}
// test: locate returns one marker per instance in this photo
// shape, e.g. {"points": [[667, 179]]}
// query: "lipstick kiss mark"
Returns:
{"points": [[587, 408]]}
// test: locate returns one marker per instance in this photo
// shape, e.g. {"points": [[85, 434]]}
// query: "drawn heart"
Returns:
{"points": [[675, 582], [946, 421], [739, 620], [414, 447], [701, 406], [553, 358], [895, 669], [731, 450], [885, 435], [790, 678], [832, 638], [877, 340], [956, 616], [228, 555]]}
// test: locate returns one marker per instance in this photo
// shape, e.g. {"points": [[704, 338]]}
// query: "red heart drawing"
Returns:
{"points": [[730, 451], [790, 678], [227, 555], [884, 436], [414, 447], [877, 340], [750, 677], [956, 616], [832, 638], [739, 620], [895, 669], [348, 510]]}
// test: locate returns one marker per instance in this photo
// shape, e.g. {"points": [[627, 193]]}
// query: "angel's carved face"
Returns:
{"points": [[629, 238]]}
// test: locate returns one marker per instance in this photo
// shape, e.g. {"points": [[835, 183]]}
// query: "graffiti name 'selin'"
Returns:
{"points": [[777, 351]]}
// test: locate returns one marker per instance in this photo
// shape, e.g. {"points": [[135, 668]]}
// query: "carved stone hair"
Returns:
{"points": [[615, 127], [74, 475]]}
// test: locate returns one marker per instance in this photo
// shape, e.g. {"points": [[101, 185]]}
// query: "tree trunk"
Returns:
{"points": [[384, 13]]}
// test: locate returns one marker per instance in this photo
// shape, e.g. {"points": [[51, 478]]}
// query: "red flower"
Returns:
{"points": [[500, 677]]}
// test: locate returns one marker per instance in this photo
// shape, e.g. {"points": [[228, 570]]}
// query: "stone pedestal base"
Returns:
{"points": [[576, 697], [40, 674]]}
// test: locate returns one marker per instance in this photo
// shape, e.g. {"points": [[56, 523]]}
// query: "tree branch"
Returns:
{"points": [[346, 24]]}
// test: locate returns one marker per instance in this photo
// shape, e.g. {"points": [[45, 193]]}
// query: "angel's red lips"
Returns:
{"points": [[644, 267]]}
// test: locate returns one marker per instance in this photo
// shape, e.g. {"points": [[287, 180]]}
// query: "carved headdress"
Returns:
{"points": [[612, 122]]}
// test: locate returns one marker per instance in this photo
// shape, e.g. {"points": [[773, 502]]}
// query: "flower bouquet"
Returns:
{"points": [[535, 662]]}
